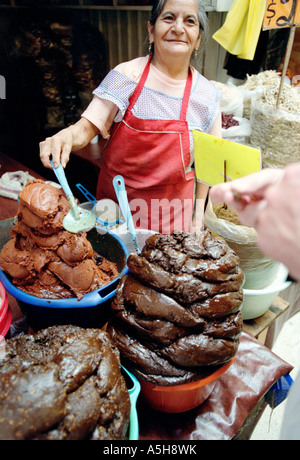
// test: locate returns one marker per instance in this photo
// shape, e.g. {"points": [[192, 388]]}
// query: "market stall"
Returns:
{"points": [[111, 334], [249, 381]]}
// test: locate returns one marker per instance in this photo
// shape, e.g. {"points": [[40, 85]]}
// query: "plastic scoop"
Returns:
{"points": [[88, 195], [77, 220], [134, 392], [119, 186], [106, 210]]}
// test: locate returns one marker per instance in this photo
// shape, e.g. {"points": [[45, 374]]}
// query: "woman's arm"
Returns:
{"points": [[200, 198], [217, 127], [96, 119], [202, 189]]}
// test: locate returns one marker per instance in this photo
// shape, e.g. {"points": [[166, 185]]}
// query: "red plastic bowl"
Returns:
{"points": [[3, 302], [5, 313], [180, 398]]}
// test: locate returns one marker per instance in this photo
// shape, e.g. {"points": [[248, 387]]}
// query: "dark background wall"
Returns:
{"points": [[51, 60]]}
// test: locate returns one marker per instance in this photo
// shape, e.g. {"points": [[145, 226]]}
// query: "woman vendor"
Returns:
{"points": [[146, 109]]}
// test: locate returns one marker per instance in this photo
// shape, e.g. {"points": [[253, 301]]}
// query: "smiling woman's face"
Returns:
{"points": [[177, 30]]}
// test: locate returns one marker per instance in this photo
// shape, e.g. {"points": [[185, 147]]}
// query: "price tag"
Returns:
{"points": [[281, 13], [220, 160]]}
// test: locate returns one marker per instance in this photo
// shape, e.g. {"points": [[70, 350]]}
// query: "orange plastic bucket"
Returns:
{"points": [[180, 398]]}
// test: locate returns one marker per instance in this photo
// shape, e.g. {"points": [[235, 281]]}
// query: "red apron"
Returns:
{"points": [[152, 156]]}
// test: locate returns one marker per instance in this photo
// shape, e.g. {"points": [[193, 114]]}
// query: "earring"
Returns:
{"points": [[196, 53], [151, 47]]}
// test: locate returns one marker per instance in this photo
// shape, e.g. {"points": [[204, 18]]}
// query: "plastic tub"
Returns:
{"points": [[93, 310], [142, 236], [114, 227], [5, 325], [5, 313], [121, 230], [257, 301], [180, 398], [3, 302]]}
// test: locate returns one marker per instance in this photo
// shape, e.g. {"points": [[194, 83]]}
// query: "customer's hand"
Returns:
{"points": [[274, 213], [242, 192], [278, 221]]}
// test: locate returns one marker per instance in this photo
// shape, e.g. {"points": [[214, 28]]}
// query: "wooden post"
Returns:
{"points": [[286, 61]]}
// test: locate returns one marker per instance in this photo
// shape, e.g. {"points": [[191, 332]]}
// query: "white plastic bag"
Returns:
{"points": [[238, 133], [253, 84], [232, 99], [276, 132], [248, 95]]}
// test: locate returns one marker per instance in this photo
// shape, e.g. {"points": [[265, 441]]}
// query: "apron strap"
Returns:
{"points": [[186, 96], [141, 83]]}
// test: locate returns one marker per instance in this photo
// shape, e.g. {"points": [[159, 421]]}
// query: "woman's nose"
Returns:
{"points": [[179, 26]]}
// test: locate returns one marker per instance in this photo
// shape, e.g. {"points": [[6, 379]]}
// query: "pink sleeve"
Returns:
{"points": [[101, 113]]}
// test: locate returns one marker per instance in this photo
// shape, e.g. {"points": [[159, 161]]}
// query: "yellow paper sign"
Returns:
{"points": [[215, 158], [281, 14]]}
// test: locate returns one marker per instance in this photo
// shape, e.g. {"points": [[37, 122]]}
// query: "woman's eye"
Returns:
{"points": [[191, 21], [168, 18]]}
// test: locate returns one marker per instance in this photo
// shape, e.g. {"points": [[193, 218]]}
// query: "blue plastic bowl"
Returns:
{"points": [[93, 310]]}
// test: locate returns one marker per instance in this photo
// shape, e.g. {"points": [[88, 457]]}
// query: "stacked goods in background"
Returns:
{"points": [[275, 130], [61, 59]]}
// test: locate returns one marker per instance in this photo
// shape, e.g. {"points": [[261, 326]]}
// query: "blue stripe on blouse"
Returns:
{"points": [[203, 107]]}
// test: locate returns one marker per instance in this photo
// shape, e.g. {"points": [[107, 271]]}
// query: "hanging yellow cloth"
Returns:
{"points": [[240, 32]]}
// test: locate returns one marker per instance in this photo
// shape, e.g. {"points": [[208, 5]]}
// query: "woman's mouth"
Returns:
{"points": [[177, 41]]}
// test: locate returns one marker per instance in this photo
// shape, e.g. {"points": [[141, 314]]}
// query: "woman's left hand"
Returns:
{"points": [[198, 220], [200, 198], [196, 229]]}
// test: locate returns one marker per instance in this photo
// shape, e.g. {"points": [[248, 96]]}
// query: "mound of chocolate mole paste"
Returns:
{"points": [[63, 383], [45, 260], [177, 313]]}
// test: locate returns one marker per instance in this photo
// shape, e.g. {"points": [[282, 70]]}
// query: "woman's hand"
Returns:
{"points": [[197, 227], [73, 138], [58, 147], [198, 218]]}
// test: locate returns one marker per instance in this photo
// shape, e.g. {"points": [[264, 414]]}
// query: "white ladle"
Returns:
{"points": [[119, 186]]}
